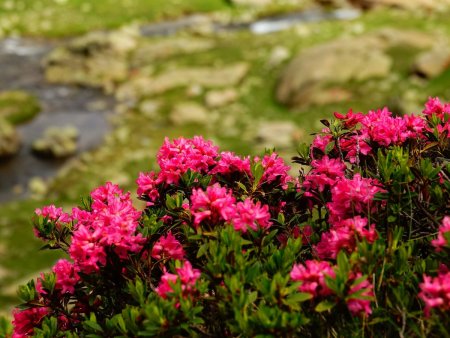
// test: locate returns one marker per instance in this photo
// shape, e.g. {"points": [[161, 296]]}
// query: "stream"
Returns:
{"points": [[87, 109]]}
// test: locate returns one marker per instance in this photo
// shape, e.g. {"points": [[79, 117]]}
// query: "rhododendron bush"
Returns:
{"points": [[358, 244]]}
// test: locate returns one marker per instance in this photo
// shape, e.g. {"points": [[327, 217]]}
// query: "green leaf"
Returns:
{"points": [[325, 306]]}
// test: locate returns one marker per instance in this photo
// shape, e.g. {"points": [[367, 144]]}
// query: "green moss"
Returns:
{"points": [[18, 107]]}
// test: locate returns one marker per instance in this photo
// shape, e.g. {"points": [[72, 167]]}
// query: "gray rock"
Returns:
{"points": [[220, 98], [153, 50], [278, 134], [97, 59], [56, 142], [188, 112], [335, 62], [208, 77], [432, 63], [10, 140]]}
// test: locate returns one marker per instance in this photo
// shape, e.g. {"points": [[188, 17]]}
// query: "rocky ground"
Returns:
{"points": [[246, 91]]}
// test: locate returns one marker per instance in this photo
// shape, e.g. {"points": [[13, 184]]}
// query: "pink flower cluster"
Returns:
{"points": [[443, 236], [313, 277], [111, 224], [66, 276], [435, 292], [177, 157], [343, 236], [187, 275], [217, 205], [54, 214], [324, 174], [26, 320], [168, 247], [353, 196]]}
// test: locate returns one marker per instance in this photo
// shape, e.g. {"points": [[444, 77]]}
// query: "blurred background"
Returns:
{"points": [[89, 89]]}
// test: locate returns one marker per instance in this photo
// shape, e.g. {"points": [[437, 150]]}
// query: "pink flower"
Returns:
{"points": [[66, 276], [435, 292], [214, 205], [435, 107], [275, 170], [343, 235], [53, 213], [350, 119], [353, 196], [187, 276], [148, 186], [320, 142], [444, 233], [357, 305], [168, 247], [112, 223], [26, 320], [229, 163], [324, 174], [182, 154], [251, 215], [312, 275], [354, 146], [384, 129]]}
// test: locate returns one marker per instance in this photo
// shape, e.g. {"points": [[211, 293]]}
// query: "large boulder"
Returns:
{"points": [[331, 63], [97, 59], [327, 67], [10, 140], [188, 112], [432, 63]]}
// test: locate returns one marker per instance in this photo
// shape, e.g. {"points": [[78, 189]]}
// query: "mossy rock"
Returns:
{"points": [[56, 143], [18, 107], [10, 140]]}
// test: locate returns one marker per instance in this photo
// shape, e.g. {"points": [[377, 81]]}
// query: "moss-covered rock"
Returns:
{"points": [[18, 106], [56, 143], [10, 140]]}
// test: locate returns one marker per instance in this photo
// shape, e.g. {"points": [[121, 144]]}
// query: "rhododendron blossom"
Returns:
{"points": [[214, 205], [112, 223], [357, 305], [26, 320], [275, 170], [177, 157], [229, 163], [434, 107], [435, 292], [324, 174], [66, 276], [443, 236], [186, 274], [251, 215], [312, 275], [353, 196], [147, 186], [168, 247], [53, 213]]}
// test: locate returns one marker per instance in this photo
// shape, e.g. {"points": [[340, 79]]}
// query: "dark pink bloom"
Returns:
{"points": [[187, 276], [350, 119], [177, 157], [435, 292], [66, 276], [444, 233], [168, 247], [356, 305], [26, 320], [112, 223], [312, 275], [354, 146], [53, 213], [324, 174], [229, 163], [320, 142], [435, 107], [214, 205], [353, 196], [251, 215], [275, 170], [148, 186]]}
